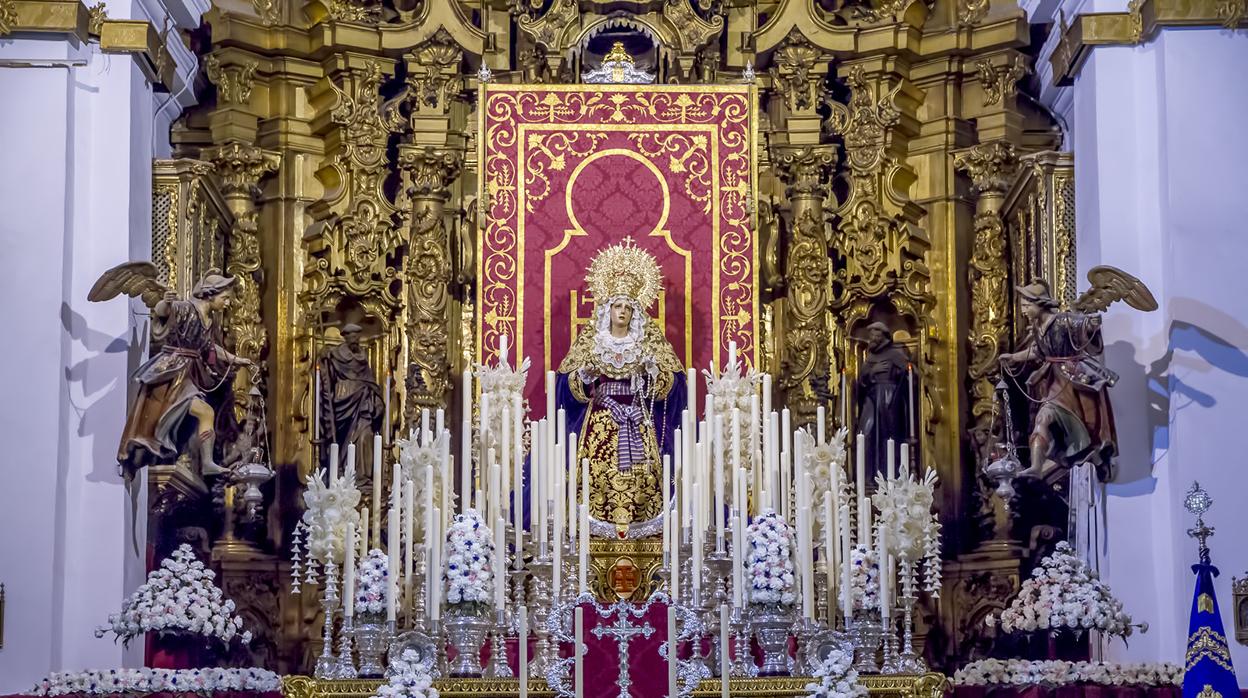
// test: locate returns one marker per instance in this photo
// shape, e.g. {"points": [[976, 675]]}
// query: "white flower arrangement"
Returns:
{"points": [[407, 681], [371, 577], [905, 506], [114, 681], [864, 579], [1021, 672], [469, 560], [503, 384], [769, 560], [1065, 593], [178, 597], [324, 524], [820, 459], [734, 387], [837, 678], [413, 459]]}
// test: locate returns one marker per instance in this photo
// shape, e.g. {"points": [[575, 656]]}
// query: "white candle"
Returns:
{"points": [[364, 533], [696, 581], [724, 651], [501, 355], [672, 688], [821, 429], [558, 464], [768, 441], [847, 604], [675, 526], [885, 583], [426, 434], [504, 461], [386, 412], [892, 461], [914, 413], [578, 650], [428, 504], [718, 466], [682, 490], [348, 573], [861, 472], [350, 462], [483, 433], [435, 570], [333, 464], [550, 394], [692, 380], [572, 485], [667, 502], [844, 400], [439, 420], [465, 445], [755, 469], [377, 485], [802, 529], [444, 462], [393, 551], [409, 531], [732, 352], [315, 406], [524, 651], [500, 566], [583, 551], [538, 456], [905, 460], [829, 553], [773, 461], [517, 468]]}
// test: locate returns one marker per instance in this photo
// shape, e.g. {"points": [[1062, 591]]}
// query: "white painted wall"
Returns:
{"points": [[78, 134], [1159, 143]]}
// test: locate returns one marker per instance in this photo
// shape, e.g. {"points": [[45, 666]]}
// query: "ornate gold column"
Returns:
{"points": [[991, 167]]}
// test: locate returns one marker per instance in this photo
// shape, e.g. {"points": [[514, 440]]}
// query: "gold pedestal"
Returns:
{"points": [[624, 570], [900, 686]]}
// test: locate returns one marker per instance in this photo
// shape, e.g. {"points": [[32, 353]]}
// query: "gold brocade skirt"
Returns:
{"points": [[618, 497]]}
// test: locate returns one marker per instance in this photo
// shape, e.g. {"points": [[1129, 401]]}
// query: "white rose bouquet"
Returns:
{"points": [[733, 388], [1065, 593], [178, 597], [905, 506], [769, 561], [371, 577], [323, 529], [837, 678], [407, 681], [469, 554]]}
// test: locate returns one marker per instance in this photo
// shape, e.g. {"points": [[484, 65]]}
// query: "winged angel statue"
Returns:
{"points": [[1069, 381], [185, 398]]}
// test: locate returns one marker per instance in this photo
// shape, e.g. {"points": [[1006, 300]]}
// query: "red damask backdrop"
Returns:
{"points": [[572, 169]]}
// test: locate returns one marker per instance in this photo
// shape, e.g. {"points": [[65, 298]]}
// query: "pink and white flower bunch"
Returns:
{"points": [[115, 681], [864, 577], [769, 561], [178, 597], [371, 577], [1065, 593], [407, 681], [837, 678], [469, 555], [1021, 672]]}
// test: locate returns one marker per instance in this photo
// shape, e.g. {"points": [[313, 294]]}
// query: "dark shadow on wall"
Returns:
{"points": [[94, 381]]}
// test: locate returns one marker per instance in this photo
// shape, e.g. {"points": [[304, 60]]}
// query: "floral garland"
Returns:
{"points": [[469, 555], [770, 560], [1021, 672], [370, 583], [407, 681], [1064, 592], [324, 524], [864, 579], [837, 678], [114, 681], [178, 597], [905, 506]]}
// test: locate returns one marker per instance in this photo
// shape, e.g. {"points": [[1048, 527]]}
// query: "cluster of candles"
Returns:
{"points": [[700, 508]]}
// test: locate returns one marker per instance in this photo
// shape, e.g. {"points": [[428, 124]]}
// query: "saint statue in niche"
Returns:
{"points": [[623, 389], [881, 393], [351, 400]]}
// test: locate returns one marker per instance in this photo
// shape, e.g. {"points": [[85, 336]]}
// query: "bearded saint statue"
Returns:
{"points": [[623, 389]]}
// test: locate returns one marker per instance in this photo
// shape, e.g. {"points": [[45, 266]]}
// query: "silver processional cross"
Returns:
{"points": [[623, 633]]}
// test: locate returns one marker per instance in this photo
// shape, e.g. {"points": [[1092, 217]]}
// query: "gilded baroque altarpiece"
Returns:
{"points": [[883, 181]]}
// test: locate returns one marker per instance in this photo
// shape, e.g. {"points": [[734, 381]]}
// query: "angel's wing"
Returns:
{"points": [[135, 279], [1111, 284]]}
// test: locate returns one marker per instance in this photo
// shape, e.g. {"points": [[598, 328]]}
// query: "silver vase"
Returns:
{"points": [[771, 625], [466, 634], [370, 644], [866, 635]]}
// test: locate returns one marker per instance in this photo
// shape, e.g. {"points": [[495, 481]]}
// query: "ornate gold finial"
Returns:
{"points": [[1208, 692], [1204, 603], [625, 270], [617, 54]]}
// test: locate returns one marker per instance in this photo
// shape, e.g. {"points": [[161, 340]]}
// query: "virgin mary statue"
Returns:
{"points": [[623, 389]]}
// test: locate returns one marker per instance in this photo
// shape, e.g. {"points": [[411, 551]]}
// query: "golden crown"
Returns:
{"points": [[625, 270]]}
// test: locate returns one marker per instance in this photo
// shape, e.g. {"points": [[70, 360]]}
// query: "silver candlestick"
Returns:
{"points": [[909, 662], [540, 601], [327, 663], [865, 634], [499, 668], [890, 665], [742, 658], [346, 658], [803, 630]]}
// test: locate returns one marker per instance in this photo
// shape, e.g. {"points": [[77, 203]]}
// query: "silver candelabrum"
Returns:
{"points": [[371, 638], [771, 625], [466, 633], [327, 663], [541, 600]]}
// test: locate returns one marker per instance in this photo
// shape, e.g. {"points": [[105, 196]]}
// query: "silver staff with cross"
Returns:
{"points": [[623, 633]]}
